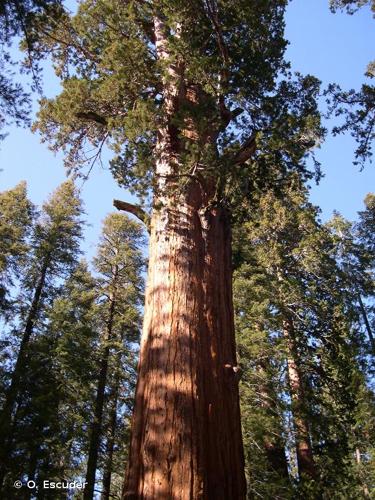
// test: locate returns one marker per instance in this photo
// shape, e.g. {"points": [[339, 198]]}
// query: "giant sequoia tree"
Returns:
{"points": [[197, 103]]}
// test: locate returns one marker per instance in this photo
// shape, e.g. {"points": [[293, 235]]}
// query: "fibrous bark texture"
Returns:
{"points": [[186, 435], [186, 432]]}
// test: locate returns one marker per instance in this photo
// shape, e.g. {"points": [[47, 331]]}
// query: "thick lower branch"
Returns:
{"points": [[247, 150], [135, 210]]}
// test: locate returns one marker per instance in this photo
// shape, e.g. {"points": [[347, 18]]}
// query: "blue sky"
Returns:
{"points": [[333, 47]]}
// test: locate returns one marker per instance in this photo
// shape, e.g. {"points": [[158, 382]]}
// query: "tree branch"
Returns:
{"points": [[135, 210], [212, 11], [92, 116], [247, 150], [226, 114]]}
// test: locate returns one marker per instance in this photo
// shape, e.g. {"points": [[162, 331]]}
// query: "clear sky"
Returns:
{"points": [[333, 47]]}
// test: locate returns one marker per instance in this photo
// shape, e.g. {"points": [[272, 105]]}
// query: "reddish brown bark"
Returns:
{"points": [[305, 458], [186, 433], [186, 436]]}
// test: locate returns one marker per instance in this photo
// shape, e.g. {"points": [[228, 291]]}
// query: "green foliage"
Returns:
{"points": [[14, 101], [228, 56], [18, 19], [53, 247], [354, 254], [16, 217], [351, 5], [231, 56], [119, 263], [291, 268], [61, 361], [53, 410], [59, 229], [356, 107], [366, 227]]}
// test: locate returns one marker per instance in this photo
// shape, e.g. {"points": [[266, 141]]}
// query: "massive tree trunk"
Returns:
{"points": [[305, 459], [186, 434]]}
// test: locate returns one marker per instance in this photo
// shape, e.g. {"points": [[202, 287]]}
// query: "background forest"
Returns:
{"points": [[303, 283]]}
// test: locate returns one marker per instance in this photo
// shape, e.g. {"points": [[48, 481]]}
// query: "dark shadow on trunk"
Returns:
{"points": [[186, 434]]}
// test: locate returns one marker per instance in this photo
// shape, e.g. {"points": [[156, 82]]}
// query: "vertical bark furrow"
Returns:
{"points": [[186, 435], [186, 426]]}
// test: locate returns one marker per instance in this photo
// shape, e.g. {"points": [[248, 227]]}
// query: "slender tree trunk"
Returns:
{"points": [[107, 472], [96, 428], [33, 462], [358, 459], [367, 323], [6, 433], [274, 445], [305, 459]]}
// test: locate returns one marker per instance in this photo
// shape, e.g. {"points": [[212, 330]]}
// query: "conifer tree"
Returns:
{"points": [[295, 301], [351, 5], [51, 421], [55, 247], [356, 107], [182, 92], [16, 217], [354, 253], [19, 18], [119, 263], [73, 417], [364, 233], [72, 335]]}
